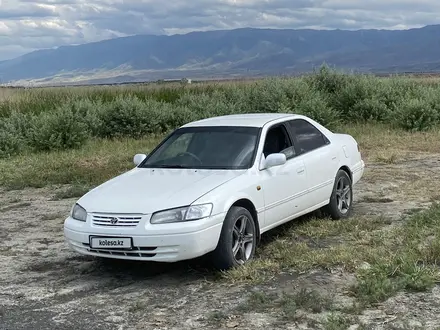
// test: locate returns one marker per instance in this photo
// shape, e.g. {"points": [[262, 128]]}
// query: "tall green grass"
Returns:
{"points": [[65, 118]]}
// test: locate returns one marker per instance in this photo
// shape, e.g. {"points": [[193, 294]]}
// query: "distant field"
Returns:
{"points": [[377, 270]]}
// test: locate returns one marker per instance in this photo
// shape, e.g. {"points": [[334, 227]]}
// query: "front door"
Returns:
{"points": [[284, 187]]}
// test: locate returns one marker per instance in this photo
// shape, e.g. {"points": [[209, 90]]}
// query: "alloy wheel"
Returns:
{"points": [[343, 195], [242, 239]]}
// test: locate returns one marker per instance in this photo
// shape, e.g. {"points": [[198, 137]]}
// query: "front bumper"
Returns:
{"points": [[196, 238]]}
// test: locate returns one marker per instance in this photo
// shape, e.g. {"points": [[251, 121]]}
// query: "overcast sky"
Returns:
{"points": [[26, 25]]}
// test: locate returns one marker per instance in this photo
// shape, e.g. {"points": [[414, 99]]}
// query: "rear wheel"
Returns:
{"points": [[341, 200], [237, 241]]}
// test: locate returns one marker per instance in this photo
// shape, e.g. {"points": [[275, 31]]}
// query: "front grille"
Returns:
{"points": [[116, 220], [143, 252]]}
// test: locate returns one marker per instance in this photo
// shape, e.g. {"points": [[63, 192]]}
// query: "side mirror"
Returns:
{"points": [[275, 160], [139, 158]]}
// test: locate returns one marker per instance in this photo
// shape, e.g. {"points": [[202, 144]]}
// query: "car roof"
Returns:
{"points": [[247, 119]]}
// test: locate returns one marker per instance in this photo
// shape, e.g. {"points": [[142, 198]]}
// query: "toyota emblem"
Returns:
{"points": [[114, 221]]}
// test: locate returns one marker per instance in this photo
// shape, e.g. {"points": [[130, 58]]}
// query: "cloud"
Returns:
{"points": [[20, 11], [26, 25]]}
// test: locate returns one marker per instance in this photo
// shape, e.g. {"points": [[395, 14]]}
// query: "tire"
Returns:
{"points": [[341, 200], [237, 244]]}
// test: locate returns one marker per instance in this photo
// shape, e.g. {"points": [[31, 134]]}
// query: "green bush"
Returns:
{"points": [[393, 90], [5, 109], [176, 116], [132, 117], [329, 81], [205, 105], [89, 112], [370, 109], [57, 130], [127, 116], [358, 94], [13, 133], [267, 95], [416, 115], [10, 142], [299, 90], [317, 108]]}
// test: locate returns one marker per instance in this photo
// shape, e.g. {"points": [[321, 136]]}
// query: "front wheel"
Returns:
{"points": [[237, 241], [341, 200]]}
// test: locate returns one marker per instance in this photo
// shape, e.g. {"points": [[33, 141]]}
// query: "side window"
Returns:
{"points": [[277, 140], [307, 136]]}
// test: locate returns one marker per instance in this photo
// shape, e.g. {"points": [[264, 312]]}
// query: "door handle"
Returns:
{"points": [[300, 170]]}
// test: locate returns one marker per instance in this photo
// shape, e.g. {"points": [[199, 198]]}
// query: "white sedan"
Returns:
{"points": [[215, 186]]}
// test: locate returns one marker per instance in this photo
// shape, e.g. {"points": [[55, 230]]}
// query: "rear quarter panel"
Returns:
{"points": [[350, 155]]}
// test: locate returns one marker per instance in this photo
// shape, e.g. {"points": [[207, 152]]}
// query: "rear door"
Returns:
{"points": [[319, 157]]}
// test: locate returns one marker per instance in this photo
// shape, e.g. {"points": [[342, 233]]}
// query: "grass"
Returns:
{"points": [[15, 206], [398, 259], [288, 305], [216, 317], [307, 299], [71, 192], [378, 141], [96, 162], [137, 306], [51, 216], [336, 321], [14, 200]]}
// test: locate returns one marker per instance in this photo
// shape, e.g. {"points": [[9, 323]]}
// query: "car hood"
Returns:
{"points": [[143, 190]]}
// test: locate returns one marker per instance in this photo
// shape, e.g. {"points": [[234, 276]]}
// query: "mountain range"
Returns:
{"points": [[228, 53]]}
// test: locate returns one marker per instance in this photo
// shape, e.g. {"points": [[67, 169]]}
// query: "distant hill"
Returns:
{"points": [[230, 52]]}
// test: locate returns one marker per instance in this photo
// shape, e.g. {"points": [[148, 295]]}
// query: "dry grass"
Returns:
{"points": [[400, 165], [24, 94], [52, 216], [15, 206], [74, 191], [379, 142], [7, 93]]}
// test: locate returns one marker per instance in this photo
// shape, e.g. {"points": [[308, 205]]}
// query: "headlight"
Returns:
{"points": [[188, 213], [79, 213]]}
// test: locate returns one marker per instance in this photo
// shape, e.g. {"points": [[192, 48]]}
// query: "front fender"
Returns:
{"points": [[241, 188]]}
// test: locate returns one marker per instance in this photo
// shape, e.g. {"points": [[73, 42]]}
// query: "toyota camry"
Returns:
{"points": [[214, 186]]}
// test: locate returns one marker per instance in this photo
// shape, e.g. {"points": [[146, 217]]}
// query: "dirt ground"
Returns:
{"points": [[45, 285]]}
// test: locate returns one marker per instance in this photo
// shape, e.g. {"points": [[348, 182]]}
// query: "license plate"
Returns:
{"points": [[110, 242]]}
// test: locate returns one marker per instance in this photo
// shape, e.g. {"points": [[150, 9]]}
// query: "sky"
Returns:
{"points": [[27, 25]]}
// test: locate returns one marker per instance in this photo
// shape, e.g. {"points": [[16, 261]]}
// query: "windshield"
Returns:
{"points": [[206, 148]]}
